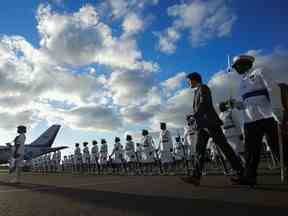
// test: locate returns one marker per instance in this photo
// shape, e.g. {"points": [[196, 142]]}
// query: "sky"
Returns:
{"points": [[107, 68]]}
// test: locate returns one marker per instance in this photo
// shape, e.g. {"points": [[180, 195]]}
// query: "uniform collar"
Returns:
{"points": [[196, 87], [247, 73]]}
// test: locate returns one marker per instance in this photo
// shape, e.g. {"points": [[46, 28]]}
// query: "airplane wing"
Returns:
{"points": [[4, 148], [57, 149]]}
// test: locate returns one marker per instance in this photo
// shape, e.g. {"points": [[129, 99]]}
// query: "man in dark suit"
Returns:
{"points": [[207, 124]]}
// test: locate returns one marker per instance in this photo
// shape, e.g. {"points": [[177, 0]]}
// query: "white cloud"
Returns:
{"points": [[173, 83], [92, 118], [143, 112], [132, 24], [130, 87], [175, 109], [167, 40], [120, 8], [80, 38], [205, 20], [27, 84]]}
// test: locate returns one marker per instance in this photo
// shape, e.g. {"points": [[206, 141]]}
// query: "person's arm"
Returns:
{"points": [[266, 76], [113, 152], [20, 140], [205, 102]]}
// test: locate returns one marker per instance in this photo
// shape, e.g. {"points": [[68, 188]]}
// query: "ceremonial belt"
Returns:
{"points": [[229, 127], [256, 93]]}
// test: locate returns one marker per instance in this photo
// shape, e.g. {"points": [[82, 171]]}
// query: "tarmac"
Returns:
{"points": [[85, 195]]}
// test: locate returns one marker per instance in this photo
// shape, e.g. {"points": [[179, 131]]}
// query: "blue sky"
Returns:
{"points": [[259, 26], [249, 26]]}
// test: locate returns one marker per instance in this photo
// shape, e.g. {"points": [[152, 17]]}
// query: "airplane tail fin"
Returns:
{"points": [[47, 138]]}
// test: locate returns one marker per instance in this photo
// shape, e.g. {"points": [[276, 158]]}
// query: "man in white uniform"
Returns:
{"points": [[103, 155], [148, 151], [118, 157], [190, 138], [179, 153], [139, 157], [54, 162], [166, 145], [95, 156], [257, 112], [130, 154], [232, 129], [78, 158], [65, 163], [18, 155], [86, 157]]}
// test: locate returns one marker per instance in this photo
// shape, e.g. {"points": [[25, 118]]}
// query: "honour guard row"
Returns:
{"points": [[221, 140]]}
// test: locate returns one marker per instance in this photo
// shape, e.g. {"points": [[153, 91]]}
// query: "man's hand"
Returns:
{"points": [[237, 104]]}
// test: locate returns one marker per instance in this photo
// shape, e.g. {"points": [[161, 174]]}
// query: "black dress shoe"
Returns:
{"points": [[191, 180]]}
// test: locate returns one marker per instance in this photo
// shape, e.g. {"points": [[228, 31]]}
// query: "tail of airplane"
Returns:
{"points": [[47, 138]]}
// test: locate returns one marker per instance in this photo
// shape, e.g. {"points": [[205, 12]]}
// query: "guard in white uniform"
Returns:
{"points": [[95, 156], [72, 164], [232, 129], [58, 161], [117, 152], [48, 161], [103, 155], [257, 113], [139, 157], [86, 157], [166, 145], [190, 138], [78, 158], [130, 154], [148, 151], [18, 156], [179, 153], [65, 163], [54, 162]]}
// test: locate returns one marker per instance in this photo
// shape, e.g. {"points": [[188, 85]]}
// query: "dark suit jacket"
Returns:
{"points": [[203, 110]]}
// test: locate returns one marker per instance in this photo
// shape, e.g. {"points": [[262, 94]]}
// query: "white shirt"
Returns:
{"points": [[95, 151], [256, 107], [148, 143], [20, 140], [86, 152], [77, 152], [166, 140], [130, 147], [104, 149]]}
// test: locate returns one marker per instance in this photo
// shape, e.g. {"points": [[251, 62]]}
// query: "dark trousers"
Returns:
{"points": [[254, 133], [220, 141]]}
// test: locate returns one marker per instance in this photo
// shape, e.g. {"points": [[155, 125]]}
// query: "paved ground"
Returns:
{"points": [[119, 195]]}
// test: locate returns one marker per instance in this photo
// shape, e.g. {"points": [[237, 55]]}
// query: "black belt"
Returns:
{"points": [[228, 127], [256, 93]]}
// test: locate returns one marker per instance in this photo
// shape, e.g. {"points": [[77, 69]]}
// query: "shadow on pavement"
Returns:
{"points": [[150, 205]]}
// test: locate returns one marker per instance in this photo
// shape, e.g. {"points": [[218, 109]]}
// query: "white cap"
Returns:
{"points": [[243, 58]]}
